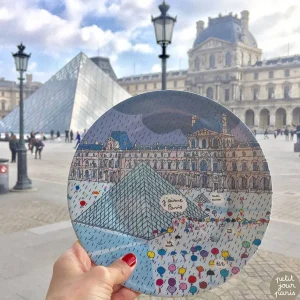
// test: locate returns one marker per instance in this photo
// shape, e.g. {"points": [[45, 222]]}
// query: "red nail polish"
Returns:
{"points": [[130, 259]]}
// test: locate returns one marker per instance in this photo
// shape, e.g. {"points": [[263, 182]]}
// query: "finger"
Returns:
{"points": [[73, 262], [125, 293], [122, 268]]}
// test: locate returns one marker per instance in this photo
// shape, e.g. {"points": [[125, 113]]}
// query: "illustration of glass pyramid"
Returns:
{"points": [[74, 98], [202, 198], [133, 205]]}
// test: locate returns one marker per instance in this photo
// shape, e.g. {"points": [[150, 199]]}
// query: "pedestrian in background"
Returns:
{"points": [[67, 136], [292, 134], [275, 134], [78, 139], [266, 134], [286, 133], [39, 145], [71, 136], [13, 145], [52, 134], [298, 134]]}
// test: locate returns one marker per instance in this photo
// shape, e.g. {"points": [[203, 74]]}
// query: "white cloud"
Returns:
{"points": [[32, 66], [156, 68], [143, 48]]}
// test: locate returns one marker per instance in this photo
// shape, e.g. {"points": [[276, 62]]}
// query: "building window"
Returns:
{"points": [[244, 183], [197, 64], [177, 164], [3, 106], [287, 73], [271, 93], [228, 59], [175, 83], [203, 144], [210, 93], [203, 166], [193, 144], [234, 166], [255, 183], [265, 166], [227, 93], [194, 166], [155, 85], [255, 75], [271, 74], [215, 143], [215, 167], [255, 93], [212, 62], [244, 167], [161, 164], [287, 92], [255, 166], [155, 165], [184, 165], [169, 165]]}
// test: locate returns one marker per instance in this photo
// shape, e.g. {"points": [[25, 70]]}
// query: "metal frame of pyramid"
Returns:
{"points": [[74, 98], [132, 206]]}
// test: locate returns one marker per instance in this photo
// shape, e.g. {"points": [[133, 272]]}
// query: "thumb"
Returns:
{"points": [[117, 273]]}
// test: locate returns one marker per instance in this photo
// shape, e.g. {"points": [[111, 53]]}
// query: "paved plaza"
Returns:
{"points": [[35, 227]]}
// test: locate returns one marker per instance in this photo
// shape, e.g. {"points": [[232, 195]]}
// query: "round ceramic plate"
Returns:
{"points": [[176, 179]]}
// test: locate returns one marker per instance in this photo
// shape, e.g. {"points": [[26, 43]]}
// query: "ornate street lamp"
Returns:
{"points": [[23, 183], [164, 25]]}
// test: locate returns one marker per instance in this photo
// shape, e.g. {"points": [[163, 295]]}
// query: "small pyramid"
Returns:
{"points": [[201, 198], [133, 205]]}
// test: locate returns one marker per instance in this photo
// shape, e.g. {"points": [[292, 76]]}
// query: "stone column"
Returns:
{"points": [[256, 118], [289, 117], [272, 118]]}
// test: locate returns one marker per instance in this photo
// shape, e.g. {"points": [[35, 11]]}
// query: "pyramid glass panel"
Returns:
{"points": [[74, 98]]}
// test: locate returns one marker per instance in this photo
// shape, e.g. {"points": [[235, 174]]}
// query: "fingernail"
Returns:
{"points": [[130, 259]]}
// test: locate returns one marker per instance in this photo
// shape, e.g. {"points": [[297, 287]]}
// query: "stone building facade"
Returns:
{"points": [[213, 160], [10, 96], [226, 65]]}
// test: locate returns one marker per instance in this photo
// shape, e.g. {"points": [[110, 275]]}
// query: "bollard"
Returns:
{"points": [[3, 176]]}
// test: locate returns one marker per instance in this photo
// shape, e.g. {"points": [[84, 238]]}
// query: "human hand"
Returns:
{"points": [[75, 277]]}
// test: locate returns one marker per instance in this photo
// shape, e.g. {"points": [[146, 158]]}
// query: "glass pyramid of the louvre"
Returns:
{"points": [[74, 98], [132, 206]]}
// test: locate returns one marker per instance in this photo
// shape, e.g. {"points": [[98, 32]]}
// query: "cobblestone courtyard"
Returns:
{"points": [[19, 212]]}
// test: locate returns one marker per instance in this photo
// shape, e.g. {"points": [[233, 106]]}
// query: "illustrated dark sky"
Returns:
{"points": [[164, 117]]}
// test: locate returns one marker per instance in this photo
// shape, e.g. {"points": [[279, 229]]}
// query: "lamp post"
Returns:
{"points": [[164, 25], [23, 183]]}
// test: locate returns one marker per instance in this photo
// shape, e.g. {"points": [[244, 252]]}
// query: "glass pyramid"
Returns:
{"points": [[202, 198], [74, 98], [133, 205]]}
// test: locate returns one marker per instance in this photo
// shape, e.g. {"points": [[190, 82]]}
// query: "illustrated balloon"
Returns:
{"points": [[150, 254], [172, 289], [192, 279], [181, 271], [193, 290], [172, 281], [215, 252], [245, 245], [211, 263], [183, 286], [161, 271], [161, 252], [172, 268], [203, 285], [224, 273], [257, 242], [159, 283], [200, 269], [204, 254], [235, 270], [198, 248], [194, 258], [229, 214], [225, 254]]}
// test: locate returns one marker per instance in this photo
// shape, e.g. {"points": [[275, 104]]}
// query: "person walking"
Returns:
{"points": [[78, 138], [286, 133], [298, 134], [266, 134], [254, 131], [52, 135], [292, 134], [71, 136], [39, 145], [67, 136], [13, 145]]}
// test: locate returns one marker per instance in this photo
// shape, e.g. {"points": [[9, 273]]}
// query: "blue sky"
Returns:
{"points": [[54, 31]]}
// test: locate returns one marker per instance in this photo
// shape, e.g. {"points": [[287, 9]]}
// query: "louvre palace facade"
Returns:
{"points": [[226, 65]]}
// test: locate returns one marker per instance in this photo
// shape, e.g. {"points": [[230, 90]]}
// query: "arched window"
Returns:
{"points": [[228, 59], [266, 183], [210, 93], [155, 165], [215, 143], [194, 166], [161, 164], [204, 144], [215, 167], [169, 165], [244, 166], [244, 183], [203, 166], [232, 183], [234, 166], [212, 61], [197, 64], [265, 166], [193, 143], [3, 105]]}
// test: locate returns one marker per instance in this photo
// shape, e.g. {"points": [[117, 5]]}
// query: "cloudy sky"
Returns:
{"points": [[54, 31]]}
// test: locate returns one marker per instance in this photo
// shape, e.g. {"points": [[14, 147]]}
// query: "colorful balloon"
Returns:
{"points": [[172, 268]]}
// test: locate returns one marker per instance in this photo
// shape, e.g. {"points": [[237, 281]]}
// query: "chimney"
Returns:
{"points": [[200, 27], [28, 79], [245, 24], [194, 119]]}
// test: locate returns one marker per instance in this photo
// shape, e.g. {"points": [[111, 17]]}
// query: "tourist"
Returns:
{"points": [[52, 134], [13, 145], [67, 136], [254, 131], [39, 145], [78, 138], [266, 134], [292, 134], [76, 277], [275, 134], [286, 133], [32, 144], [71, 136], [57, 134]]}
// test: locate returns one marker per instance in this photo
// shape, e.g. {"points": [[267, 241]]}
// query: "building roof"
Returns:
{"points": [[123, 139], [226, 28], [278, 60], [104, 64]]}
